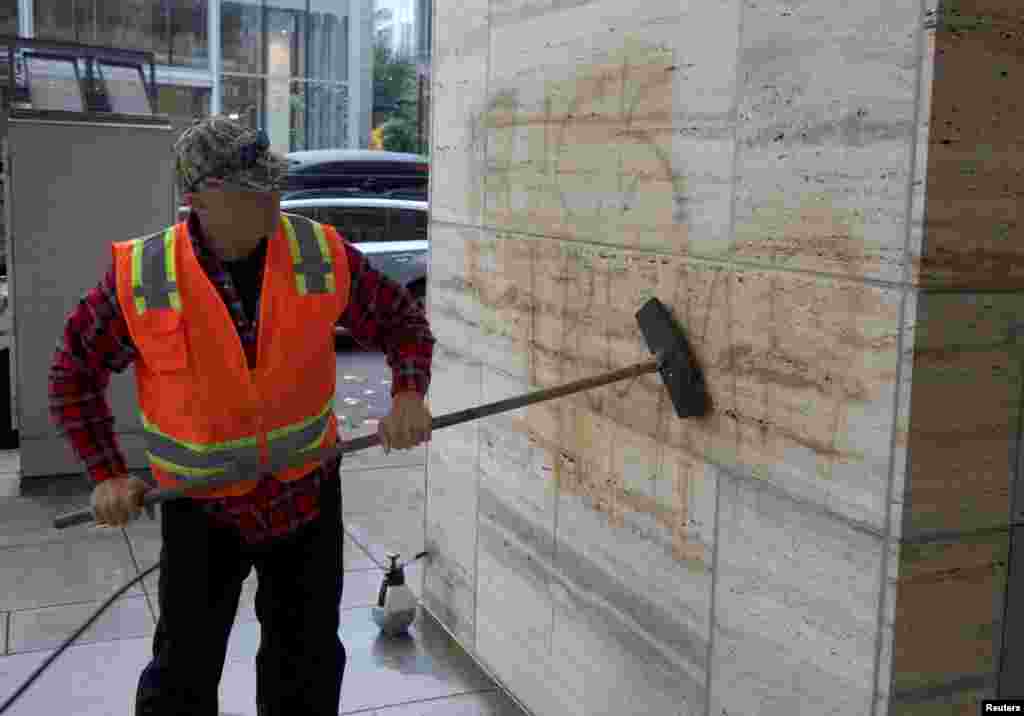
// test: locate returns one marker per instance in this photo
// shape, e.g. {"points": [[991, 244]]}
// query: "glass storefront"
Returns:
{"points": [[327, 115], [271, 51], [328, 40], [173, 30], [284, 63], [286, 38], [297, 116], [55, 20], [190, 45], [183, 103], [241, 36]]}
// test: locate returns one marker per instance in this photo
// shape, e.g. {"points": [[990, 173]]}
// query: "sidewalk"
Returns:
{"points": [[53, 580]]}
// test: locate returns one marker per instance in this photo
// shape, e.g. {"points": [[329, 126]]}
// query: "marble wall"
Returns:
{"points": [[946, 603], [762, 169]]}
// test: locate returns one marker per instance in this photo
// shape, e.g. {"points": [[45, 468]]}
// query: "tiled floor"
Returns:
{"points": [[53, 580]]}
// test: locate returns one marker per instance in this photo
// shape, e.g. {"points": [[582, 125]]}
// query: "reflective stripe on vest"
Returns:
{"points": [[311, 256], [194, 460], [154, 281]]}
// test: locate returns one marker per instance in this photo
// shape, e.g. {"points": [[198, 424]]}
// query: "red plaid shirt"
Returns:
{"points": [[380, 314]]}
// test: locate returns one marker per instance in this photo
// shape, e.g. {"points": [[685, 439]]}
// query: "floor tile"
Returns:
{"points": [[385, 672], [28, 520], [47, 628], [487, 703], [246, 603], [374, 491], [379, 672], [393, 532], [10, 485], [89, 680], [10, 461], [356, 558], [426, 666], [90, 567], [375, 457]]}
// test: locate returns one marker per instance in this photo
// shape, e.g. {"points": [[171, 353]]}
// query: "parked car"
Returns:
{"points": [[324, 173]]}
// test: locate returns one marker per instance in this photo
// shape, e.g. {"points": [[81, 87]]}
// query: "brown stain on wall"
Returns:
{"points": [[823, 371], [603, 135], [780, 350], [592, 158]]}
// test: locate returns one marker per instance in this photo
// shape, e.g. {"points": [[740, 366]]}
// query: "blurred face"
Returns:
{"points": [[236, 219]]}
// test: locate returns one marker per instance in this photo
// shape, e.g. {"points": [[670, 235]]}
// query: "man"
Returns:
{"points": [[228, 319]]}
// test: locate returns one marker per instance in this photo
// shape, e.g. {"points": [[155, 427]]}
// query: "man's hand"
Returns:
{"points": [[408, 423], [117, 501]]}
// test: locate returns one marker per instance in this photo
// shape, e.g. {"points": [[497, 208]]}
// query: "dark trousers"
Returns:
{"points": [[301, 659]]}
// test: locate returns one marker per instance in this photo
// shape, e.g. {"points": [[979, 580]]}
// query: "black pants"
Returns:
{"points": [[301, 659]]}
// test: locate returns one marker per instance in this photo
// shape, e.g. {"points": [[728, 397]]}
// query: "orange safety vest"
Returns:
{"points": [[201, 405]]}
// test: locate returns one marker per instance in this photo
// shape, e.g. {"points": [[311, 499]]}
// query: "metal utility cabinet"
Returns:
{"points": [[89, 164]]}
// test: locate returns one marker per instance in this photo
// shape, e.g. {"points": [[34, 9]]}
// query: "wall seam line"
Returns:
{"points": [[1000, 636], [885, 564], [483, 209], [738, 85]]}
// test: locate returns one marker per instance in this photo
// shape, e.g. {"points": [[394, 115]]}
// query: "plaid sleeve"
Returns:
{"points": [[383, 314], [95, 343]]}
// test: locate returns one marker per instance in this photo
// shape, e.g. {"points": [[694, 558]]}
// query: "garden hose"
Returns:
{"points": [[42, 667]]}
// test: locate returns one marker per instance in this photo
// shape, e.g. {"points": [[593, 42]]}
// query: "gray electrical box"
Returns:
{"points": [[80, 177]]}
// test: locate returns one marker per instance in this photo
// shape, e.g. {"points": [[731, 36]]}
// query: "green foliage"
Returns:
{"points": [[399, 135], [394, 80]]}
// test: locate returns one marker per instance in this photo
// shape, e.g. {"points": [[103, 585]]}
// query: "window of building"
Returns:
{"points": [[298, 116], [328, 41], [8, 17], [243, 99], [125, 24], [55, 20], [188, 29], [54, 83], [173, 30], [125, 88], [286, 38], [327, 115], [241, 33], [183, 103]]}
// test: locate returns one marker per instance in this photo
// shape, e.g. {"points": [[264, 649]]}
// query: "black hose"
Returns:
{"points": [[28, 682], [106, 605]]}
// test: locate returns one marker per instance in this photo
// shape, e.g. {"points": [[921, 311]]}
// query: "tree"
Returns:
{"points": [[399, 135], [394, 83]]}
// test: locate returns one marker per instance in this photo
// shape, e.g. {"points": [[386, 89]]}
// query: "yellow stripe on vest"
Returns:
{"points": [[154, 277], [311, 255], [191, 459]]}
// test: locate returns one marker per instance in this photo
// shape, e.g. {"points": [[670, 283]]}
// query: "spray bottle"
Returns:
{"points": [[396, 604]]}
